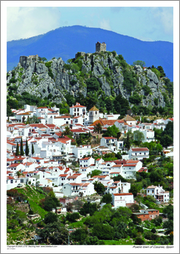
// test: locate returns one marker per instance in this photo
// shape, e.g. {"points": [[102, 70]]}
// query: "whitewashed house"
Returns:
{"points": [[76, 189], [122, 199], [86, 162], [77, 110], [138, 153], [158, 193], [83, 150]]}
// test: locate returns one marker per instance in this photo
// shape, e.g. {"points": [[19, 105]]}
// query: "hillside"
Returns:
{"points": [[103, 79], [64, 42]]}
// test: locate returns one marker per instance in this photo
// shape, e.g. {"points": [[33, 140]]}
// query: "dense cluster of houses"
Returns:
{"points": [[51, 154]]}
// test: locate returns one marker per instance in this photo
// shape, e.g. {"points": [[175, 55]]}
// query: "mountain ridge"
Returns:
{"points": [[64, 42]]}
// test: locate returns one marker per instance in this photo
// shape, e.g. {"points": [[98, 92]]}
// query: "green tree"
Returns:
{"points": [[139, 62], [49, 202], [79, 235], [139, 241], [135, 98], [161, 70], [96, 172], [121, 105], [50, 218], [54, 233], [43, 59], [67, 131], [128, 137], [98, 128], [112, 131], [18, 173], [21, 148], [27, 148], [88, 208], [135, 188], [32, 149], [92, 84], [103, 231], [99, 188], [17, 149], [107, 198], [72, 217], [138, 137]]}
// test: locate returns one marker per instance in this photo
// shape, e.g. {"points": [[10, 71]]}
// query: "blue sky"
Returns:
{"points": [[144, 23]]}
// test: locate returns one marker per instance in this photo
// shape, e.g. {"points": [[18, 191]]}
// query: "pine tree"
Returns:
{"points": [[27, 148], [17, 150], [32, 149], [22, 151]]}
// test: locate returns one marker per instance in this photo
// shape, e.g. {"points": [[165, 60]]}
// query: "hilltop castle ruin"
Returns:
{"points": [[100, 47]]}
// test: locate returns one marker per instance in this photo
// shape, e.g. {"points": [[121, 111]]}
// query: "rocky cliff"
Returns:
{"points": [[55, 78]]}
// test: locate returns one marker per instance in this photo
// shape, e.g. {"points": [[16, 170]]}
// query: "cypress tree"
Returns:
{"points": [[22, 151], [27, 148], [32, 149], [17, 150]]}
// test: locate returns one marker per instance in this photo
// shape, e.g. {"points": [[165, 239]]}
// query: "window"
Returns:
{"points": [[11, 181]]}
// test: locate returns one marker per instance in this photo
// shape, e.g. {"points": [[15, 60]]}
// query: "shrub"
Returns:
{"points": [[147, 90], [135, 98]]}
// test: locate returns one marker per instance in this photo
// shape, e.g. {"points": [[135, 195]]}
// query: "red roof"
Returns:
{"points": [[143, 170], [140, 149], [86, 158], [129, 165], [10, 177], [78, 106], [122, 194], [109, 138], [63, 175], [14, 165]]}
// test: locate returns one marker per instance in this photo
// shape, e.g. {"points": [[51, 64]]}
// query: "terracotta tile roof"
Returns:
{"points": [[94, 109], [120, 121], [72, 177], [10, 177], [129, 165], [122, 194], [78, 106], [14, 165], [86, 158], [128, 118], [143, 170], [140, 149], [109, 138], [100, 176], [79, 130], [74, 184], [39, 125], [10, 143], [63, 140], [62, 117], [63, 175], [151, 187], [132, 161]]}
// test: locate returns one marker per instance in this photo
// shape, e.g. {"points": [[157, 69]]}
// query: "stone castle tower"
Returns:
{"points": [[100, 46]]}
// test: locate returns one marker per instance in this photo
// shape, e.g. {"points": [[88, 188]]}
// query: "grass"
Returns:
{"points": [[33, 197], [126, 241], [78, 224]]}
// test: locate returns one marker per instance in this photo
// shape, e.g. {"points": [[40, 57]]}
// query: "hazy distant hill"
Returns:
{"points": [[65, 42]]}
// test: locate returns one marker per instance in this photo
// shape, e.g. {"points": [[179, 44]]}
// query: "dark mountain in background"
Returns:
{"points": [[65, 42]]}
